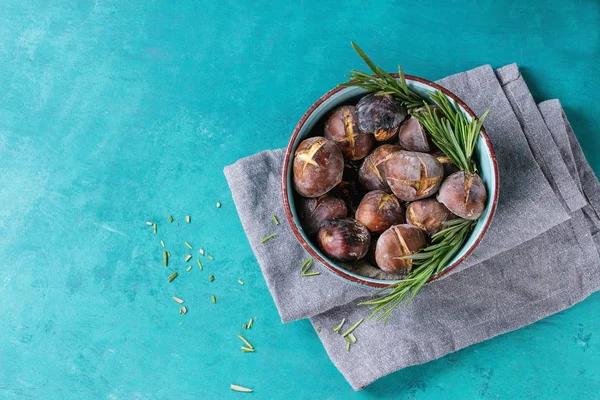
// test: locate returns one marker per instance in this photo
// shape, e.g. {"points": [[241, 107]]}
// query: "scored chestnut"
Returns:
{"points": [[396, 242], [412, 136], [413, 175], [447, 164], [428, 215], [464, 194], [318, 166], [313, 212], [379, 210], [342, 128], [380, 115], [372, 173], [344, 239]]}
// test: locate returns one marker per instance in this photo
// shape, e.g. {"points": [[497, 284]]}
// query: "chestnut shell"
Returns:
{"points": [[344, 239], [313, 212], [342, 128], [318, 166], [464, 194], [379, 210], [428, 215], [412, 136], [398, 241], [380, 115], [371, 174], [412, 175]]}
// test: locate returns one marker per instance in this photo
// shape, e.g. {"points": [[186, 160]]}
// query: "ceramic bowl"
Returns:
{"points": [[484, 154]]}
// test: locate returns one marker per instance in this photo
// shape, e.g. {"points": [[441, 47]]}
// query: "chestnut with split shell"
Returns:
{"points": [[412, 175], [396, 242], [313, 212], [380, 115], [342, 128], [344, 239], [428, 215], [379, 210], [464, 194], [412, 136], [372, 173], [318, 166]]}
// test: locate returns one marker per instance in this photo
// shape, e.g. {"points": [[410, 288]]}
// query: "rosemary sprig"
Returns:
{"points": [[452, 133], [426, 263], [383, 83]]}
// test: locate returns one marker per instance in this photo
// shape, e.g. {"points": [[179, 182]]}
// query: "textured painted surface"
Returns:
{"points": [[114, 113]]}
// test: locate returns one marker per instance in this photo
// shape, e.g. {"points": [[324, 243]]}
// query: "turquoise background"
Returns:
{"points": [[115, 113]]}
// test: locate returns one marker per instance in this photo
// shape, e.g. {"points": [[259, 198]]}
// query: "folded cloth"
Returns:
{"points": [[517, 275]]}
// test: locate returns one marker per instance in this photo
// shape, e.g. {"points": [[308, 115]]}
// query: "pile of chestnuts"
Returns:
{"points": [[375, 185]]}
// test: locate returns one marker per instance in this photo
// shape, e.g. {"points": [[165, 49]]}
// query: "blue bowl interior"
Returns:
{"points": [[351, 95]]}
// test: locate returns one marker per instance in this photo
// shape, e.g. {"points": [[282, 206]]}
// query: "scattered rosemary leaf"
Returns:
{"points": [[306, 265], [155, 228], [311, 274], [238, 388], [188, 219], [243, 339], [352, 328], [244, 326], [201, 251], [214, 299], [240, 282], [170, 218], [169, 253], [183, 310], [351, 338], [162, 243], [188, 245], [218, 204], [337, 328], [149, 223], [199, 264], [272, 235], [211, 278], [188, 269], [348, 346], [247, 349], [274, 218], [188, 257], [250, 323], [173, 276], [319, 330], [178, 300], [166, 258], [209, 256]]}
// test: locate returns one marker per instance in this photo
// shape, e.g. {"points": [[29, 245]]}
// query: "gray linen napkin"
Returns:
{"points": [[504, 291]]}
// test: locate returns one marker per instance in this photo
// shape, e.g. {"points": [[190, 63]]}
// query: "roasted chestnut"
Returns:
{"points": [[380, 115], [344, 239], [447, 164], [342, 128], [313, 212], [412, 175], [379, 210], [428, 215], [398, 241], [318, 166], [412, 136], [371, 173], [464, 194]]}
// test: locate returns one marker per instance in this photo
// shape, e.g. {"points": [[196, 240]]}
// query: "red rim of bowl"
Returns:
{"points": [[338, 270]]}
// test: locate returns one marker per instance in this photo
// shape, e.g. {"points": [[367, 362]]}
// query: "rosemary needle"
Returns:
{"points": [[240, 282], [337, 328], [243, 339], [188, 257], [188, 219], [352, 328], [166, 258], [306, 265], [209, 256], [238, 388], [272, 235], [211, 278], [247, 349], [155, 228], [162, 243], [311, 273], [250, 323], [178, 300], [199, 264], [274, 218], [188, 245], [348, 346], [148, 223], [244, 326], [214, 299], [189, 269], [170, 218], [173, 276]]}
